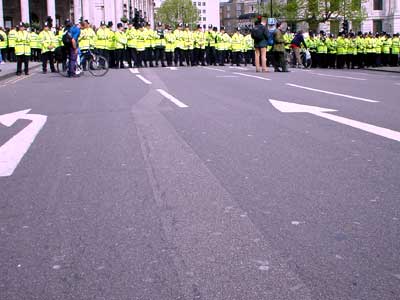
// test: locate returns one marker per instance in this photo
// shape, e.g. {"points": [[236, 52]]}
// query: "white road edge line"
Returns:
{"points": [[337, 76], [332, 93], [214, 69], [253, 76], [134, 70], [172, 99], [143, 79]]}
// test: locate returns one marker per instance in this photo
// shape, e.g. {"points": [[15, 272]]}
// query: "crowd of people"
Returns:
{"points": [[138, 45]]}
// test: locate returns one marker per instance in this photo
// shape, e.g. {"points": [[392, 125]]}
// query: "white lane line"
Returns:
{"points": [[172, 68], [227, 76], [239, 68], [336, 76], [397, 83], [134, 70], [214, 69], [172, 99], [252, 76], [143, 79], [332, 93]]}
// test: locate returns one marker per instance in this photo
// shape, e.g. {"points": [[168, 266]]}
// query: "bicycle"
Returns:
{"points": [[305, 57], [96, 64]]}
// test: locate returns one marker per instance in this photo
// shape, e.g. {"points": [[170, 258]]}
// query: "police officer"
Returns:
{"points": [[120, 46], [159, 45], [46, 37], [211, 55], [22, 49]]}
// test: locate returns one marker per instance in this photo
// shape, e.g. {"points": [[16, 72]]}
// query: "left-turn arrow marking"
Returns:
{"points": [[288, 107], [12, 152]]}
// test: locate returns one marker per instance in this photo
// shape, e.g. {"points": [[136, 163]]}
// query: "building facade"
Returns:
{"points": [[208, 11], [238, 13], [36, 11], [382, 15]]}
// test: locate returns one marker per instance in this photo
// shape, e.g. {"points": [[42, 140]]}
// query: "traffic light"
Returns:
{"points": [[346, 26]]}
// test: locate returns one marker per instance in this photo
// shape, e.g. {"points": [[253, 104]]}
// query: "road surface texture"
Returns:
{"points": [[200, 183]]}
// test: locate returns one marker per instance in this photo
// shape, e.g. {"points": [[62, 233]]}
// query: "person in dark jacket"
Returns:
{"points": [[296, 43], [260, 45]]}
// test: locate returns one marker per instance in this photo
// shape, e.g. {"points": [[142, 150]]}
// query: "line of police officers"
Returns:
{"points": [[141, 46]]}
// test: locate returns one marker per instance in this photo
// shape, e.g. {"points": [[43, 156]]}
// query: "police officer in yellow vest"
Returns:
{"points": [[12, 34], [22, 49], [159, 45], [46, 37], [3, 45], [120, 46]]}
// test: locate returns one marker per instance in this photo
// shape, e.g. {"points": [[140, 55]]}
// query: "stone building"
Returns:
{"points": [[36, 11]]}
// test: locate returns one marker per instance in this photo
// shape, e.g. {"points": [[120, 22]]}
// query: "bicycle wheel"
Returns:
{"points": [[62, 67], [98, 65]]}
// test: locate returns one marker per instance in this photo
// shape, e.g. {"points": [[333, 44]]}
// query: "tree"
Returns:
{"points": [[319, 11], [173, 12]]}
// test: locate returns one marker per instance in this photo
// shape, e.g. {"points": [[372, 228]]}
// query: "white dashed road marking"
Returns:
{"points": [[172, 99], [336, 76], [332, 93], [252, 76], [134, 71], [143, 79], [214, 69]]}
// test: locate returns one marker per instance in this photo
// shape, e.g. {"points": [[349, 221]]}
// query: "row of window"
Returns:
{"points": [[199, 3]]}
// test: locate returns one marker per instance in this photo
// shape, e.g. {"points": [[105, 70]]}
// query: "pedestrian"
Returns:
{"points": [[22, 49], [71, 34], [296, 44], [279, 50], [260, 36]]}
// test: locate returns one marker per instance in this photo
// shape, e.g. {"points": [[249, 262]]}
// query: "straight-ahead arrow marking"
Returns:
{"points": [[12, 152], [287, 107], [331, 93]]}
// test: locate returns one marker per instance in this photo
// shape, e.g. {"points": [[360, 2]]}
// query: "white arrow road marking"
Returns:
{"points": [[12, 152], [214, 69], [172, 99], [336, 76], [331, 93], [287, 107], [252, 76], [134, 70], [143, 79]]}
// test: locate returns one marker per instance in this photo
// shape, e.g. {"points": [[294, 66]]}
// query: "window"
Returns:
{"points": [[198, 3], [378, 4], [204, 19], [204, 11], [377, 26], [204, 4]]}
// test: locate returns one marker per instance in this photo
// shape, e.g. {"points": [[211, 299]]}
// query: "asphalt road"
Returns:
{"points": [[188, 183]]}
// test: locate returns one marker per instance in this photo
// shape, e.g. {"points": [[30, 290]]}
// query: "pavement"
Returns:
{"points": [[9, 69], [200, 183]]}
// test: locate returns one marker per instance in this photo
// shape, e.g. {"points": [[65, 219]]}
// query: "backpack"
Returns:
{"points": [[270, 39], [67, 39], [258, 33]]}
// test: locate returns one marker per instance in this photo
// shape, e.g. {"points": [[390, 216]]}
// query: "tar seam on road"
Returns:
{"points": [[332, 93], [172, 99]]}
